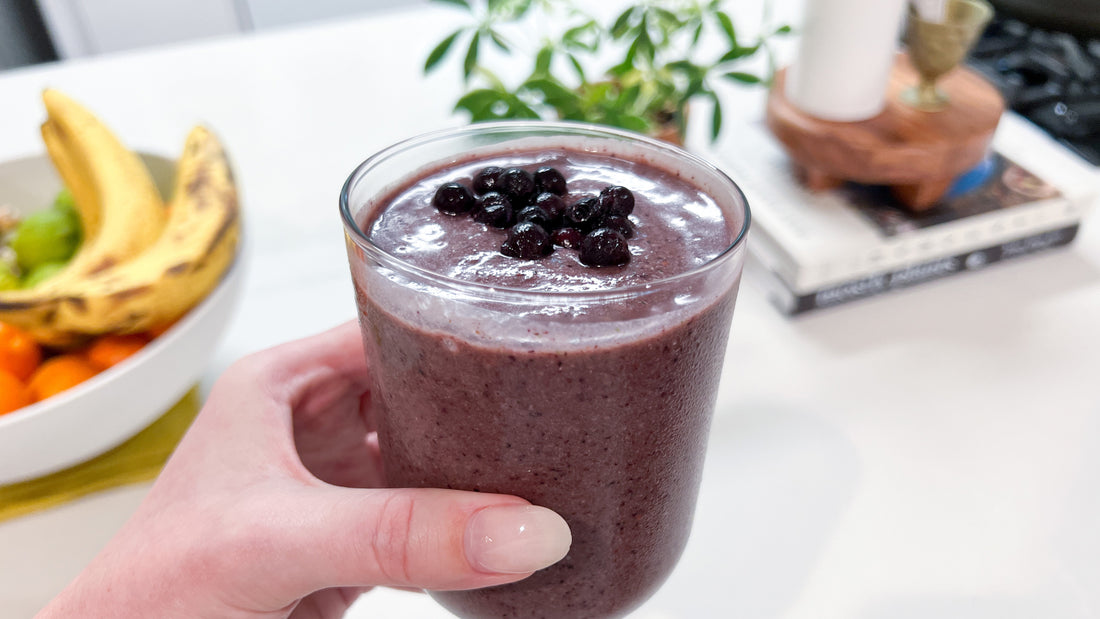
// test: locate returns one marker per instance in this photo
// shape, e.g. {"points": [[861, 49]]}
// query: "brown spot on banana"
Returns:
{"points": [[226, 225], [78, 304], [103, 265], [136, 291], [196, 186], [18, 306], [179, 269]]}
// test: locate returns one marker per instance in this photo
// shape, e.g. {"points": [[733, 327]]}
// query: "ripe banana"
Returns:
{"points": [[135, 289], [187, 260], [131, 212], [120, 208], [198, 244], [84, 194]]}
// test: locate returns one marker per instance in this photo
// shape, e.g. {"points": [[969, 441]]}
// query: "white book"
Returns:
{"points": [[814, 241]]}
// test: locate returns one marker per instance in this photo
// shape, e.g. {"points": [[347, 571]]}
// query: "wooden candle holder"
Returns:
{"points": [[918, 154]]}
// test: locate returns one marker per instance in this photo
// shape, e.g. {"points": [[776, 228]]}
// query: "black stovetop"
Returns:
{"points": [[1050, 78]]}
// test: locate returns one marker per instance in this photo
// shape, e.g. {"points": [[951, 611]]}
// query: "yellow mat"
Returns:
{"points": [[138, 459]]}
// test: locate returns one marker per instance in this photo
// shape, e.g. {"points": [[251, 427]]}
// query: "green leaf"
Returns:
{"points": [[685, 66], [518, 109], [744, 78], [629, 96], [471, 56], [622, 23], [696, 34], [621, 69], [627, 64], [632, 122], [462, 3], [578, 67], [783, 30], [645, 47], [667, 18], [716, 120], [476, 102], [727, 26], [738, 52], [695, 86], [508, 10], [499, 40], [585, 36], [543, 60], [440, 51], [554, 93]]}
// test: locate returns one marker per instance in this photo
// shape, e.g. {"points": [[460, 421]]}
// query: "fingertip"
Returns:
{"points": [[515, 539]]}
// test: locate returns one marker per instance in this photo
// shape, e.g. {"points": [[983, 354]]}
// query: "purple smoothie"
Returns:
{"points": [[585, 390]]}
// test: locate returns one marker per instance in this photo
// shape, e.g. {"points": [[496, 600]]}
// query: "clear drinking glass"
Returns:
{"points": [[593, 403]]}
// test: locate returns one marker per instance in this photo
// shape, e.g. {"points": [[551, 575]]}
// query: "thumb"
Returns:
{"points": [[423, 538]]}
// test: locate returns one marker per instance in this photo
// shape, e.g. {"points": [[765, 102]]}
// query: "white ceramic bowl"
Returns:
{"points": [[104, 411]]}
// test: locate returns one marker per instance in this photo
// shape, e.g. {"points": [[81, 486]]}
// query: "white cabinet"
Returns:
{"points": [[271, 13], [88, 27]]}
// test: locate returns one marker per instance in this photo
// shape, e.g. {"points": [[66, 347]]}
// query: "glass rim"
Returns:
{"points": [[364, 242]]}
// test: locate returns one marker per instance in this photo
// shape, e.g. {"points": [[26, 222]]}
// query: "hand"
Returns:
{"points": [[272, 506]]}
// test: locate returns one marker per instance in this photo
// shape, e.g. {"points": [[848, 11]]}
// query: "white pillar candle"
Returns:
{"points": [[844, 58], [931, 10]]}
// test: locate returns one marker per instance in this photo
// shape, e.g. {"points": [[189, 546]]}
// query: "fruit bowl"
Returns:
{"points": [[104, 411]]}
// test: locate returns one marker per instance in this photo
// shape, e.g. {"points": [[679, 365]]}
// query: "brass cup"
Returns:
{"points": [[937, 48]]}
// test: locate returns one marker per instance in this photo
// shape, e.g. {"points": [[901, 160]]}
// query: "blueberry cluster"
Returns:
{"points": [[534, 211]]}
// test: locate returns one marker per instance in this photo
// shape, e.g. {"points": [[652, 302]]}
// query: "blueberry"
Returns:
{"points": [[494, 209], [584, 214], [617, 200], [453, 198], [604, 247], [536, 215], [552, 204], [548, 179], [569, 238], [518, 184], [487, 180], [618, 223], [527, 241]]}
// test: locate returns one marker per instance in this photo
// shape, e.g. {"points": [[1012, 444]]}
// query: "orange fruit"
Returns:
{"points": [[13, 393], [19, 353], [58, 374], [110, 350]]}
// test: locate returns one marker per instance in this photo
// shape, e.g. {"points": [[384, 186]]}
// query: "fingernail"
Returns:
{"points": [[516, 539]]}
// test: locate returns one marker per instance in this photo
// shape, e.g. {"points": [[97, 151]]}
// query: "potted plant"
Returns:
{"points": [[638, 70]]}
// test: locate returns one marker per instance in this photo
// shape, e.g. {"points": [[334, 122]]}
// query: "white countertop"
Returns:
{"points": [[930, 453]]}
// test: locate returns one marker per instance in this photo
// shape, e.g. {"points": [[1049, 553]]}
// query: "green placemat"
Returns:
{"points": [[138, 459]]}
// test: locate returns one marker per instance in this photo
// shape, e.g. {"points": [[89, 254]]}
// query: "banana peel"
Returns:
{"points": [[84, 194], [198, 245], [148, 276], [131, 214]]}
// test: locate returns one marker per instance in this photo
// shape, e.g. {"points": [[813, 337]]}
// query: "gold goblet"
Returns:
{"points": [[935, 48]]}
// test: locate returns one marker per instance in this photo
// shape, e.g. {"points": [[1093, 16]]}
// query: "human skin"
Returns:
{"points": [[272, 506]]}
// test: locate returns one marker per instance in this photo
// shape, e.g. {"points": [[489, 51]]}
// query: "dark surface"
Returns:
{"points": [[1079, 17], [1051, 78], [24, 39]]}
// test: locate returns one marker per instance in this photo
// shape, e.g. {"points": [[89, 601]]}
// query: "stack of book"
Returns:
{"points": [[821, 249]]}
